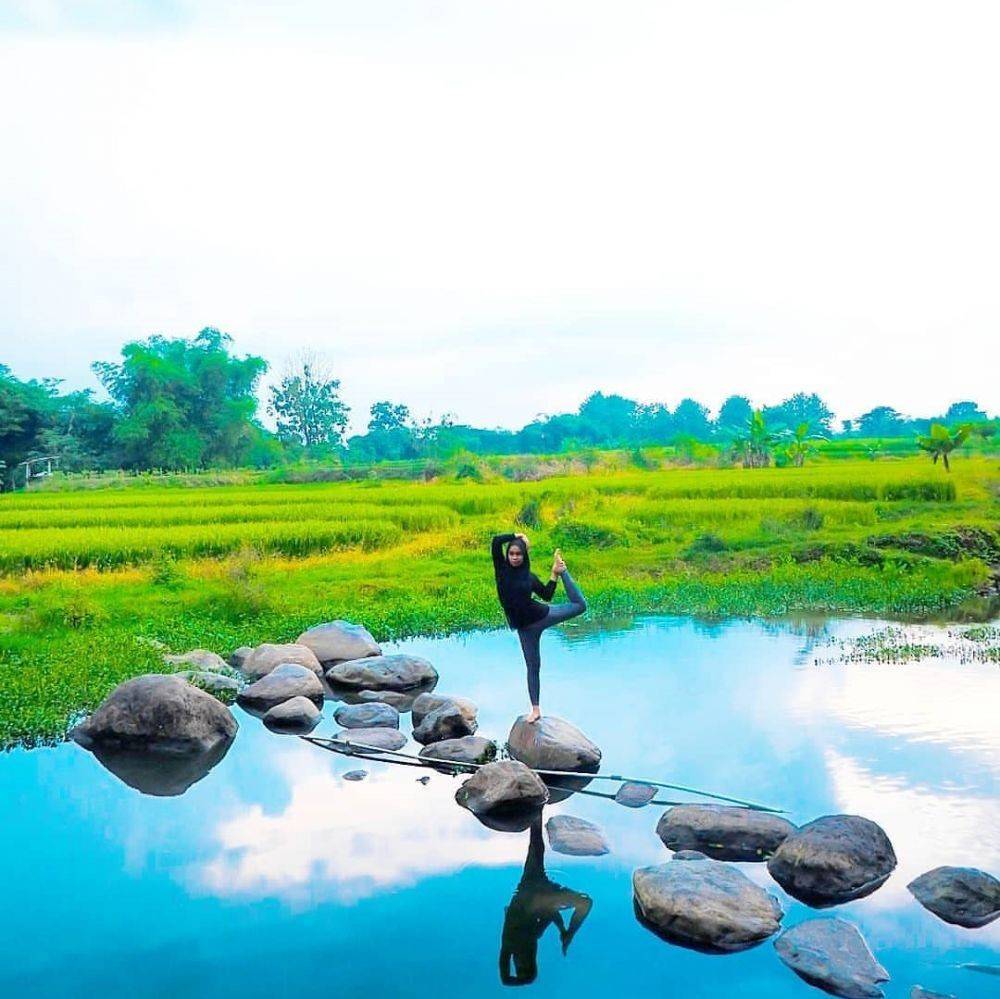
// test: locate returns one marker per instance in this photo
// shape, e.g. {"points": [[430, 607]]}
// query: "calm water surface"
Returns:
{"points": [[275, 877]]}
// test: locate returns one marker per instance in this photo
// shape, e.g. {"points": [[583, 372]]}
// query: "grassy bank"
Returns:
{"points": [[96, 585]]}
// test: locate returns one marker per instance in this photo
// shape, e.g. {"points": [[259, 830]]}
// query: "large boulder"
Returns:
{"points": [[374, 715], [502, 788], [832, 955], [158, 713], [833, 859], [337, 641], [725, 832], [704, 904], [427, 702], [552, 744], [576, 837], [282, 684], [468, 749], [372, 738], [964, 896], [445, 722], [400, 701], [199, 659], [396, 671], [263, 659], [296, 716]]}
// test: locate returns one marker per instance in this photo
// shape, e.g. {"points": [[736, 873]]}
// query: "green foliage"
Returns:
{"points": [[308, 407], [941, 441], [530, 515]]}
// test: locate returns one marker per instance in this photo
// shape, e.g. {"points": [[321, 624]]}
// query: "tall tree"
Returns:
{"points": [[691, 419], [386, 416], [607, 419], [801, 408], [882, 421], [965, 412], [307, 404], [736, 411]]}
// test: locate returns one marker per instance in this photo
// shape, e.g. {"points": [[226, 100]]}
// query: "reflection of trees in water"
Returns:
{"points": [[536, 904]]}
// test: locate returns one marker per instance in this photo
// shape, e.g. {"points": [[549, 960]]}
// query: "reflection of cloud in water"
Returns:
{"points": [[342, 840], [928, 828]]}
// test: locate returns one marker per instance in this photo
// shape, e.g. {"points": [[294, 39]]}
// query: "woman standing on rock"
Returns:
{"points": [[515, 585]]}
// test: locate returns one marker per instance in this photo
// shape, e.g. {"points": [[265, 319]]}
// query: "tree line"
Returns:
{"points": [[193, 404]]}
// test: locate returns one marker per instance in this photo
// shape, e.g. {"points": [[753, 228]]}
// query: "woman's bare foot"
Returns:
{"points": [[533, 715]]}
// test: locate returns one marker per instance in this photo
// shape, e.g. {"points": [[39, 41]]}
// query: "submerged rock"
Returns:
{"points": [[427, 702], [263, 659], [632, 794], [689, 855], [468, 749], [445, 722], [282, 684], [374, 715], [917, 992], [576, 837], [502, 788], [380, 738], [964, 896], [394, 698], [393, 672], [336, 641], [296, 716], [199, 659], [704, 904], [833, 859], [832, 954], [552, 744], [725, 832], [158, 713]]}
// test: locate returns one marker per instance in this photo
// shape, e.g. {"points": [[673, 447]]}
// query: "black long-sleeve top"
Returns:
{"points": [[516, 586]]}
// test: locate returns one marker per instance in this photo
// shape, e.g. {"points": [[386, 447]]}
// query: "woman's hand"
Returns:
{"points": [[522, 537]]}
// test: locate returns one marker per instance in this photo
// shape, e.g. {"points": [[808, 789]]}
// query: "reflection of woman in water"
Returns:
{"points": [[515, 585], [536, 904]]}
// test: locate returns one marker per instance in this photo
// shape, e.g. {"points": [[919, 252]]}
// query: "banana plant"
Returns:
{"points": [[941, 441], [754, 442], [801, 444]]}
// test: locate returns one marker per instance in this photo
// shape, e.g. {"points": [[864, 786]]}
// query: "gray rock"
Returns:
{"points": [[921, 993], [689, 855], [263, 659], [552, 744], [158, 713], [401, 702], [296, 716], [576, 837], [445, 722], [199, 659], [724, 832], [427, 702], [225, 688], [393, 672], [635, 795], [964, 896], [374, 715], [381, 738], [468, 749], [833, 859], [704, 904], [336, 641], [282, 684], [238, 656], [502, 788], [356, 775], [832, 955]]}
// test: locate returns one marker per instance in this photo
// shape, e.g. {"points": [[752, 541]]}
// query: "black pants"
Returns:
{"points": [[531, 636]]}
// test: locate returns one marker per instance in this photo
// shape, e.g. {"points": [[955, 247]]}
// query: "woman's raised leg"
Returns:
{"points": [[574, 608]]}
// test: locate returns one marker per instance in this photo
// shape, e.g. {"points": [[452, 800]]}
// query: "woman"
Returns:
{"points": [[515, 585]]}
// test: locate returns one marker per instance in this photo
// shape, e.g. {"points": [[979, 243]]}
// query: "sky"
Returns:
{"points": [[492, 209]]}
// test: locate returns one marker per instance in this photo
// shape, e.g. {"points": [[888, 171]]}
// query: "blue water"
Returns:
{"points": [[273, 877]]}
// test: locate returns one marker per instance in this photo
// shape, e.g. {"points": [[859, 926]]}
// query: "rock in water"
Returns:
{"points": [[921, 993], [468, 749], [263, 659], [964, 896], [689, 855], [501, 788], [392, 672], [725, 832], [296, 716], [225, 688], [832, 954], [380, 738], [401, 702], [552, 744], [576, 837], [704, 904], [445, 722], [282, 684], [199, 659], [635, 795], [164, 775], [428, 702], [239, 656], [356, 775], [158, 713], [833, 859], [374, 715], [336, 641]]}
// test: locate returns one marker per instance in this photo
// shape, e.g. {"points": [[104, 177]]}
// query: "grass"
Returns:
{"points": [[95, 585]]}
